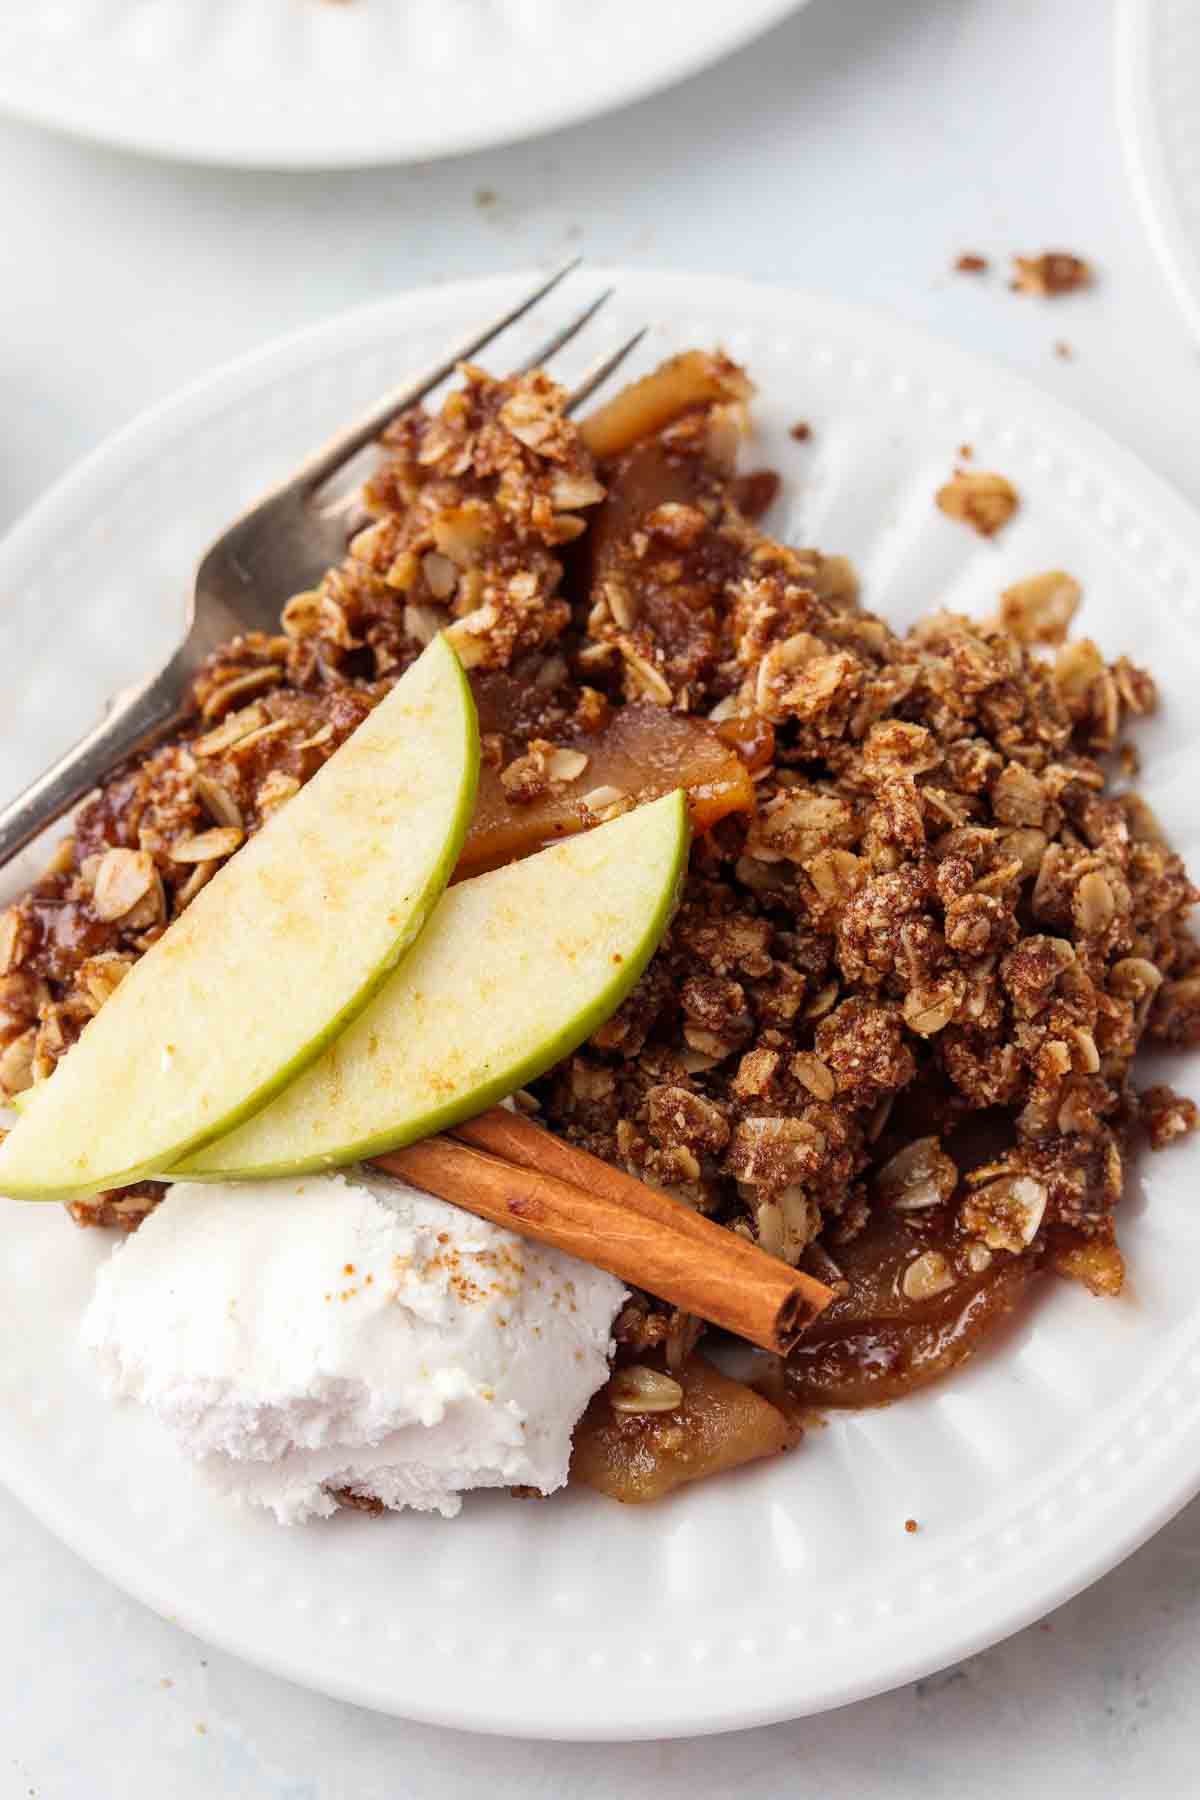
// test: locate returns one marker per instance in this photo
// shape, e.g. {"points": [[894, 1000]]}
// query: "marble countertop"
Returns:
{"points": [[856, 151]]}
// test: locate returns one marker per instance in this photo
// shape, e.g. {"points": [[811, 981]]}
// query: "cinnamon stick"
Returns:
{"points": [[644, 1237]]}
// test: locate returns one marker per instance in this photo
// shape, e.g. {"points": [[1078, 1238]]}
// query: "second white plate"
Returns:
{"points": [[1158, 85], [335, 83], [793, 1586]]}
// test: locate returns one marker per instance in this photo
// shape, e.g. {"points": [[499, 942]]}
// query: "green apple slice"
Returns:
{"points": [[272, 959], [513, 971]]}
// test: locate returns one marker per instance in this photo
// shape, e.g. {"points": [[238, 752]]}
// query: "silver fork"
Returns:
{"points": [[282, 545]]}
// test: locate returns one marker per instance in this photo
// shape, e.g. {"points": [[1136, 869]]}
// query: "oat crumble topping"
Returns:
{"points": [[890, 1032]]}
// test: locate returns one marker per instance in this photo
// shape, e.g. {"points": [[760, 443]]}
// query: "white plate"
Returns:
{"points": [[792, 1586], [318, 84], [1158, 85]]}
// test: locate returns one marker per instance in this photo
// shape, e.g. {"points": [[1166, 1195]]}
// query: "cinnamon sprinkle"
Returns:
{"points": [[549, 1191]]}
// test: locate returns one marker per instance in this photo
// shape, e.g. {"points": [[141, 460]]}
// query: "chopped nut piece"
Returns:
{"points": [[240, 688], [470, 636], [1018, 797], [301, 615], [62, 858], [777, 1152], [621, 604], [1166, 1116], [100, 976], [927, 1275], [605, 802], [220, 804], [919, 1176], [1006, 1214], [275, 790], [984, 501], [816, 1075], [440, 574], [206, 846], [569, 492], [202, 873], [243, 746], [1135, 978], [122, 879], [930, 1010], [642, 676], [1099, 1265], [422, 622], [236, 725], [13, 931], [639, 1389], [565, 765], [1076, 667], [680, 1117], [1039, 610], [16, 1063], [1095, 906], [755, 1073]]}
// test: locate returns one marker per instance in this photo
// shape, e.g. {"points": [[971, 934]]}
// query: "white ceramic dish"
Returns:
{"points": [[794, 1586], [1158, 86], [319, 84]]}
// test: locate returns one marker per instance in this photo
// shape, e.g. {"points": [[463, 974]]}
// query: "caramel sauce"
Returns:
{"points": [[874, 1344], [643, 752]]}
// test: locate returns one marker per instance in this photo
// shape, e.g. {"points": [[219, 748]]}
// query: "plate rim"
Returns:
{"points": [[733, 29], [1177, 255], [880, 333]]}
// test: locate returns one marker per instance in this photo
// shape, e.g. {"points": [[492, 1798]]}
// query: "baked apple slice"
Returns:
{"points": [[513, 971], [272, 959], [638, 1454], [641, 754]]}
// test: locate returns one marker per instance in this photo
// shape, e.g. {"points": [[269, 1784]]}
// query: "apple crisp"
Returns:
{"points": [[890, 1034]]}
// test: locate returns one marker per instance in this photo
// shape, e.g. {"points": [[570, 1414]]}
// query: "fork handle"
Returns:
{"points": [[134, 718]]}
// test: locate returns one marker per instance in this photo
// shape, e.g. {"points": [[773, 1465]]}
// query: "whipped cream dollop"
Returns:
{"points": [[329, 1334]]}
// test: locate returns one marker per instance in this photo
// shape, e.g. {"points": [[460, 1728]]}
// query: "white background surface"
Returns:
{"points": [[856, 151]]}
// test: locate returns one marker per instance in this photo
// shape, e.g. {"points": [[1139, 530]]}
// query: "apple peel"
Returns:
{"points": [[515, 969], [270, 961]]}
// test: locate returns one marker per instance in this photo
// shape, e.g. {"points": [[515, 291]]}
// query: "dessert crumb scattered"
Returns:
{"points": [[755, 492], [801, 431], [1053, 273], [965, 452], [1166, 1115], [1063, 350], [985, 501], [971, 263], [911, 1526]]}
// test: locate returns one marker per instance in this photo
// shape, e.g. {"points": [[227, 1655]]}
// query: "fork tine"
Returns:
{"points": [[331, 457], [599, 373], [553, 345]]}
